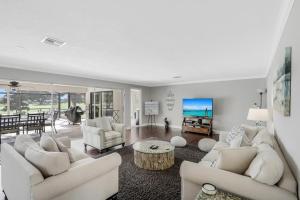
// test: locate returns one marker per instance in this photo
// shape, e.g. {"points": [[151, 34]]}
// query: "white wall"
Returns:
{"points": [[232, 100], [40, 77], [287, 128]]}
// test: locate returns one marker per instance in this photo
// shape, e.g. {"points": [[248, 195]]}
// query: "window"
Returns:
{"points": [[24, 102], [3, 101]]}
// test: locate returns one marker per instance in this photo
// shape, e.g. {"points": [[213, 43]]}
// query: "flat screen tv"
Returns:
{"points": [[198, 107]]}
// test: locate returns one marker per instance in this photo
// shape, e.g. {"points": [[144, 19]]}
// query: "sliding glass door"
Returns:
{"points": [[101, 104]]}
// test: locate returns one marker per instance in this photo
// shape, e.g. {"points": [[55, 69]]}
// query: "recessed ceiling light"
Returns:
{"points": [[53, 41], [176, 76]]}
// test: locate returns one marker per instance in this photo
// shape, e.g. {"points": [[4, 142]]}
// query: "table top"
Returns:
{"points": [[144, 146]]}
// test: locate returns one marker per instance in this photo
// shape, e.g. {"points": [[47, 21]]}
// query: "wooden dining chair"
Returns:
{"points": [[35, 122], [9, 124]]}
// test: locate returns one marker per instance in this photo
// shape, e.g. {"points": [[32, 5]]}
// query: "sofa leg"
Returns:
{"points": [[85, 147], [123, 144]]}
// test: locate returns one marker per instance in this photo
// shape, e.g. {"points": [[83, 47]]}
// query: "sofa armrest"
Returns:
{"points": [[118, 127], [193, 175], [76, 176]]}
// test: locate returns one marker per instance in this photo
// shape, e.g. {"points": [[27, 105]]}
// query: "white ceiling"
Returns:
{"points": [[142, 42]]}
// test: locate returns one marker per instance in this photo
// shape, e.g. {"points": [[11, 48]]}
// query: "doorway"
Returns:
{"points": [[136, 107]]}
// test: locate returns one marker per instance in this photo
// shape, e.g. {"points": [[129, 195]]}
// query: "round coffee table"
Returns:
{"points": [[153, 159]]}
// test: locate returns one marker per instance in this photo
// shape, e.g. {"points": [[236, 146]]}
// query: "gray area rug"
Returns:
{"points": [[140, 184]]}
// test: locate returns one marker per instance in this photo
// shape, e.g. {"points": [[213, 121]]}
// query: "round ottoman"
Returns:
{"points": [[206, 144], [178, 141]]}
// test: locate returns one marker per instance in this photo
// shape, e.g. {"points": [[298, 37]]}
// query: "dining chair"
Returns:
{"points": [[35, 122], [9, 124]]}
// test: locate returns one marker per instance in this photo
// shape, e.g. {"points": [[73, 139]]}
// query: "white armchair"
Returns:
{"points": [[98, 135]]}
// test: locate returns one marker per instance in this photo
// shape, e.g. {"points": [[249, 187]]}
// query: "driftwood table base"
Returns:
{"points": [[150, 161], [153, 159]]}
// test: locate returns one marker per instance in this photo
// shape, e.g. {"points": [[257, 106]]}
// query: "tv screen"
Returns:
{"points": [[198, 107]]}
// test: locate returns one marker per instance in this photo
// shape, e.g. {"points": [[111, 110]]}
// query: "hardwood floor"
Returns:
{"points": [[140, 133], [155, 132]]}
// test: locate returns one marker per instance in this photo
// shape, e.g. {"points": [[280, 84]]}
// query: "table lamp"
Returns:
{"points": [[259, 115]]}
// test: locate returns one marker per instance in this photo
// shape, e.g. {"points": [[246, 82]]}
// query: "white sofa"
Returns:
{"points": [[98, 137], [193, 175], [88, 178]]}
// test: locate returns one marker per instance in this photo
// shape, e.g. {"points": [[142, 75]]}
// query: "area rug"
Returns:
{"points": [[139, 184]]}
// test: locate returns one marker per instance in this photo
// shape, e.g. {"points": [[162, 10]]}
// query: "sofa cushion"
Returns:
{"points": [[48, 143], [110, 135], [49, 163], [267, 166], [263, 137], [22, 142], [235, 160], [104, 123]]}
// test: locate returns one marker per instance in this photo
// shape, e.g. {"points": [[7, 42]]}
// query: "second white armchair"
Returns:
{"points": [[102, 133]]}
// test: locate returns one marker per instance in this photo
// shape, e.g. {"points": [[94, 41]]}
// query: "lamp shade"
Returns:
{"points": [[256, 114]]}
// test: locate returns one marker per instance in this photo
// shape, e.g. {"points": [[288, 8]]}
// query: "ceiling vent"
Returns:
{"points": [[53, 41]]}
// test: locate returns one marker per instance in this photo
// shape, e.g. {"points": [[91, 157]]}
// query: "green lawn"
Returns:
{"points": [[34, 108]]}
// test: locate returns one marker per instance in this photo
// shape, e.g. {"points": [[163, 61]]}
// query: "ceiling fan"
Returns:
{"points": [[12, 85]]}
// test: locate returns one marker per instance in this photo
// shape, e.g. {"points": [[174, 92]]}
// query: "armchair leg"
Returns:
{"points": [[85, 145], [123, 144]]}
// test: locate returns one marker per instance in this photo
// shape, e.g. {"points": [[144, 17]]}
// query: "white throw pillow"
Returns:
{"points": [[104, 123], [235, 160], [266, 167], [250, 131], [49, 163], [73, 154], [235, 132], [236, 142], [22, 142], [48, 143], [263, 137]]}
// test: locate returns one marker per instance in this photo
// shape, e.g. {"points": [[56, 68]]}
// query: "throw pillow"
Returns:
{"points": [[235, 160], [250, 131], [48, 143], [65, 140], [236, 142], [263, 137], [49, 163], [266, 167], [22, 142], [104, 123], [73, 154], [235, 132]]}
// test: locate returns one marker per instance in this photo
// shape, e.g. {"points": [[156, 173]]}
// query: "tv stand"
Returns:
{"points": [[197, 125]]}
